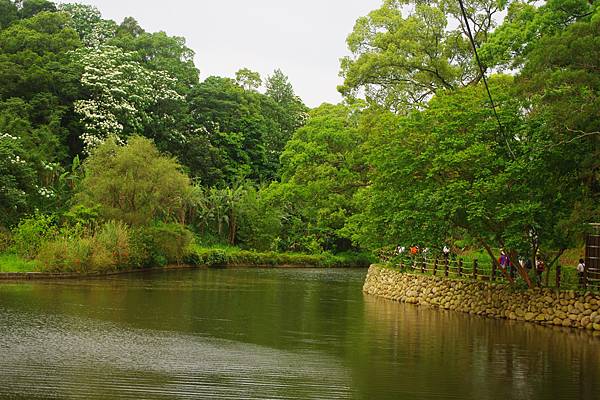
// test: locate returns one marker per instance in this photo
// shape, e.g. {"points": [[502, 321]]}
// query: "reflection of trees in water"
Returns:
{"points": [[481, 357]]}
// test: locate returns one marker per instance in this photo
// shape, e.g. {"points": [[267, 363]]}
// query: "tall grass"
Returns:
{"points": [[15, 263]]}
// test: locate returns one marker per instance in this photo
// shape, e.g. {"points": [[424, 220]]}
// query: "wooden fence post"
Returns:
{"points": [[585, 277], [493, 271], [475, 269], [446, 266], [423, 266], [460, 267], [558, 276], [435, 266]]}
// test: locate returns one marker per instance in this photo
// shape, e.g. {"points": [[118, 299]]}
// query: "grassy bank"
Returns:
{"points": [[215, 256], [14, 263], [222, 256]]}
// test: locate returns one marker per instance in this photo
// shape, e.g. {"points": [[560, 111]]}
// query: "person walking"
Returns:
{"points": [[446, 251], [503, 260], [581, 272], [540, 267]]}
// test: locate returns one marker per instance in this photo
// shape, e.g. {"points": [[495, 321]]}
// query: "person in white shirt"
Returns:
{"points": [[446, 251], [581, 271]]}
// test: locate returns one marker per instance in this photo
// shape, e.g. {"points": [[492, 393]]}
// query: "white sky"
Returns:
{"points": [[303, 38]]}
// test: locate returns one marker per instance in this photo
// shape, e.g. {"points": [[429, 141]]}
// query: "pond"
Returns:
{"points": [[271, 333]]}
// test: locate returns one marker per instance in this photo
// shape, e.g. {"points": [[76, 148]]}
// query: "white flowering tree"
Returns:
{"points": [[17, 180], [122, 95], [87, 21]]}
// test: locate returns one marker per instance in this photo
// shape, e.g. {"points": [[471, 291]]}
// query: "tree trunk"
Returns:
{"points": [[561, 251], [488, 249], [522, 271]]}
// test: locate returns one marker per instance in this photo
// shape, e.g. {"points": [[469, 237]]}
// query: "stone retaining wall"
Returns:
{"points": [[541, 306]]}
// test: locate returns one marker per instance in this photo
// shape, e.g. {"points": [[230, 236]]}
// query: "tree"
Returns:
{"points": [[34, 60], [525, 25], [29, 8], [286, 109], [279, 88], [38, 84], [130, 27], [159, 52], [121, 95], [401, 59], [259, 220], [236, 125], [560, 81], [133, 183], [18, 188], [87, 21], [447, 173], [319, 175], [248, 79], [8, 13]]}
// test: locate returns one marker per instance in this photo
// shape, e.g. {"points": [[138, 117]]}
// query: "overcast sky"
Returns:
{"points": [[304, 38]]}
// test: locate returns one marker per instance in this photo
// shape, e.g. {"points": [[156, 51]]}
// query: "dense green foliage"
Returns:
{"points": [[320, 173], [400, 59], [134, 183], [523, 177], [422, 158], [223, 256]]}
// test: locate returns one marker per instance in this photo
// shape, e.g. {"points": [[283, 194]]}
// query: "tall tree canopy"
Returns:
{"points": [[408, 50], [249, 128], [121, 94], [320, 172], [525, 25], [38, 84]]}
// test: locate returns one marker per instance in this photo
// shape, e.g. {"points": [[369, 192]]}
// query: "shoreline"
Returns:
{"points": [[35, 276], [542, 306]]}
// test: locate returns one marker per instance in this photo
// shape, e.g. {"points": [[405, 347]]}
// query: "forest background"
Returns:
{"points": [[113, 154]]}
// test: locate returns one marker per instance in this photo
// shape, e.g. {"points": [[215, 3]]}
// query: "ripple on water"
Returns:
{"points": [[64, 357]]}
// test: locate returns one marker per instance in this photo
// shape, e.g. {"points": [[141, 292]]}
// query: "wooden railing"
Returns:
{"points": [[451, 267], [591, 279]]}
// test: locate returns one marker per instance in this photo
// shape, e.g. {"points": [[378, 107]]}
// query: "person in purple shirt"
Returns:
{"points": [[503, 260]]}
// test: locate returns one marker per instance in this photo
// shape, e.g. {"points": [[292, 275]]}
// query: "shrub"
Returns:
{"points": [[75, 250], [232, 255], [134, 183], [101, 259], [113, 236], [212, 256], [80, 215], [217, 257], [79, 254], [65, 255], [142, 254], [14, 263], [6, 240], [162, 243], [31, 232]]}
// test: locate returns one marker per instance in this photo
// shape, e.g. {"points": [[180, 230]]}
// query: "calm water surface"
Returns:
{"points": [[276, 334]]}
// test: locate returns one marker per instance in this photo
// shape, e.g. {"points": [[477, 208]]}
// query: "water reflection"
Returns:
{"points": [[474, 357], [263, 333]]}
